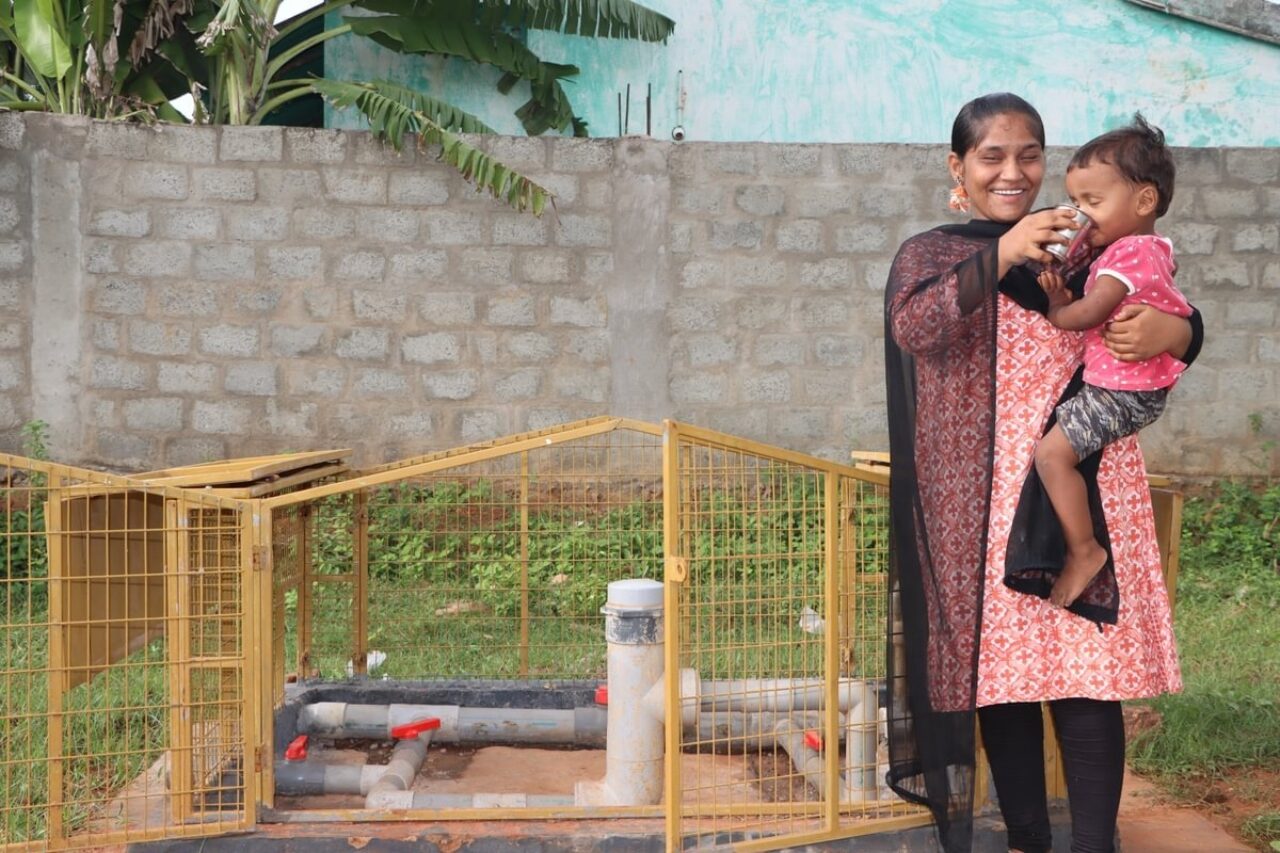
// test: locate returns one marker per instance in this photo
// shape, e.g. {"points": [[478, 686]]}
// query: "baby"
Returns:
{"points": [[1123, 180]]}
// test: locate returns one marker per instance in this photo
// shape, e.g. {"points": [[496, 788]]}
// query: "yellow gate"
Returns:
{"points": [[124, 706], [776, 594]]}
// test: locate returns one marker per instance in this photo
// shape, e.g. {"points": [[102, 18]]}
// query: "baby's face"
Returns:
{"points": [[1110, 201]]}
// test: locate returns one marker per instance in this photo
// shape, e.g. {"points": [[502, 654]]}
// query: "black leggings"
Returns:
{"points": [[1091, 736]]}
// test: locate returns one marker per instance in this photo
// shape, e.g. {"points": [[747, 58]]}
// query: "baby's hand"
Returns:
{"points": [[1055, 286]]}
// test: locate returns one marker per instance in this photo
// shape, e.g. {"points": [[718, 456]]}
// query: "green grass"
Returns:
{"points": [[1227, 619]]}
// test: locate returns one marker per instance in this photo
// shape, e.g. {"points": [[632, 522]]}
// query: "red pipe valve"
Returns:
{"points": [[297, 749], [409, 731]]}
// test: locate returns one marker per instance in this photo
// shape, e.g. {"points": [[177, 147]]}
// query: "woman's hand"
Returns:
{"points": [[1026, 240], [1139, 332]]}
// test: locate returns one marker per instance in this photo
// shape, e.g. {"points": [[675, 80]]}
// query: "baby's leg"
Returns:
{"points": [[1056, 464]]}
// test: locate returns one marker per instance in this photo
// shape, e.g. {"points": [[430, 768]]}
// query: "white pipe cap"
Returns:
{"points": [[635, 592]]}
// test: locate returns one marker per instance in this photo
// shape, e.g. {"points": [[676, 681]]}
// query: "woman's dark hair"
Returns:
{"points": [[1137, 151], [971, 121]]}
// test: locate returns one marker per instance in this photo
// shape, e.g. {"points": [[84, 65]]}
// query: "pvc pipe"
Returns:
{"points": [[402, 769], [425, 800], [762, 695], [633, 763], [860, 733], [581, 726], [308, 778]]}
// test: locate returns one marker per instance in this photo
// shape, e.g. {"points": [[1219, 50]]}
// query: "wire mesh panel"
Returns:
{"points": [[777, 572], [123, 655]]}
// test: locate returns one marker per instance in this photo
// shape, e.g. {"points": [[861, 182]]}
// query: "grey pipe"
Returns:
{"points": [[302, 778], [579, 726], [402, 769]]}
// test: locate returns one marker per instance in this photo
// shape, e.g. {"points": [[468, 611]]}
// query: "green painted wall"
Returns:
{"points": [[886, 71]]}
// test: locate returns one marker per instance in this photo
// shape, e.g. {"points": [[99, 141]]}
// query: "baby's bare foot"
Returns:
{"points": [[1081, 567]]}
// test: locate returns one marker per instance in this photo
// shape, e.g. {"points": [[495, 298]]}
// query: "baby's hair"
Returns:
{"points": [[1137, 151]]}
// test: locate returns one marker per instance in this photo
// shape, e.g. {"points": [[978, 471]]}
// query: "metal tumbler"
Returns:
{"points": [[1077, 238]]}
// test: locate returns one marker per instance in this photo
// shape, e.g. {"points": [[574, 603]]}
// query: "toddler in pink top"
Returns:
{"points": [[1123, 180]]}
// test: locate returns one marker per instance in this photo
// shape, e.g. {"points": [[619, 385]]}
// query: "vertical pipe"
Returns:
{"points": [[524, 563], [673, 577], [303, 655], [831, 641], [58, 680], [360, 594]]}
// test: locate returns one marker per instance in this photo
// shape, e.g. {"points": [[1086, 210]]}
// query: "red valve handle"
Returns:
{"points": [[297, 749], [602, 694], [813, 740], [408, 731]]}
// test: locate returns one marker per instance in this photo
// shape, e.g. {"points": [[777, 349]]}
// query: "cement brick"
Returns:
{"points": [[828, 274], [1191, 238], [224, 262], [521, 385], [194, 451], [256, 144], [736, 235], [882, 201], [591, 230], [289, 341], [228, 340], [297, 422], [511, 309], [822, 312], [548, 267], [369, 151], [452, 228], [421, 190], [158, 258], [388, 225], [1226, 274], [431, 348], [9, 415], [109, 372], [1228, 203], [188, 300], [564, 187], [360, 266], [529, 347], [698, 388], [761, 200], [582, 155], [12, 131], [491, 267], [153, 414], [377, 381], [1255, 165], [107, 223], [290, 188], [589, 347], [700, 200], [1251, 314], [363, 344], [793, 161], [483, 346], [100, 256], [773, 387], [415, 425], [355, 186], [875, 274], [184, 377], [1256, 238], [188, 223], [118, 140], [320, 303], [757, 272], [691, 314], [597, 193], [800, 236], [172, 143], [319, 382], [589, 385], [863, 159], [124, 449], [156, 181], [8, 293], [480, 426], [448, 309], [705, 350], [13, 373], [822, 386], [10, 335], [253, 379], [543, 417], [258, 300], [227, 417], [262, 223], [456, 385], [148, 338], [372, 305], [519, 229], [118, 296], [838, 350], [1246, 384], [13, 254], [324, 223], [1199, 165], [730, 159], [13, 176], [312, 145], [591, 312], [682, 235], [1268, 351], [428, 264], [597, 267], [294, 262], [1271, 276], [770, 350], [821, 201], [225, 184], [518, 152], [702, 273], [800, 424]]}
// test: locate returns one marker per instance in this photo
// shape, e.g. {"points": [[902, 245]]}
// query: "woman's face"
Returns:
{"points": [[1003, 172]]}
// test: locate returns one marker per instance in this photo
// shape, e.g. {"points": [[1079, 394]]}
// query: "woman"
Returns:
{"points": [[974, 372]]}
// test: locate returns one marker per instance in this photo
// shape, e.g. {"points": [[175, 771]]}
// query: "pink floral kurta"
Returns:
{"points": [[1030, 651]]}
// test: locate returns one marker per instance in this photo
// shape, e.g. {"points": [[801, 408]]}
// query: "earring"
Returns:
{"points": [[959, 199]]}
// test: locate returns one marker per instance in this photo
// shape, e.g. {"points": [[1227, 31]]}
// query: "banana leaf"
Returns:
{"points": [[42, 36], [622, 19]]}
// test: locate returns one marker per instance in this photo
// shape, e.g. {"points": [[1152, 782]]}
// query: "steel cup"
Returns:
{"points": [[1077, 238]]}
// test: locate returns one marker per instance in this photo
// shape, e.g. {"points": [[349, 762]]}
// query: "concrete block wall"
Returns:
{"points": [[174, 295]]}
